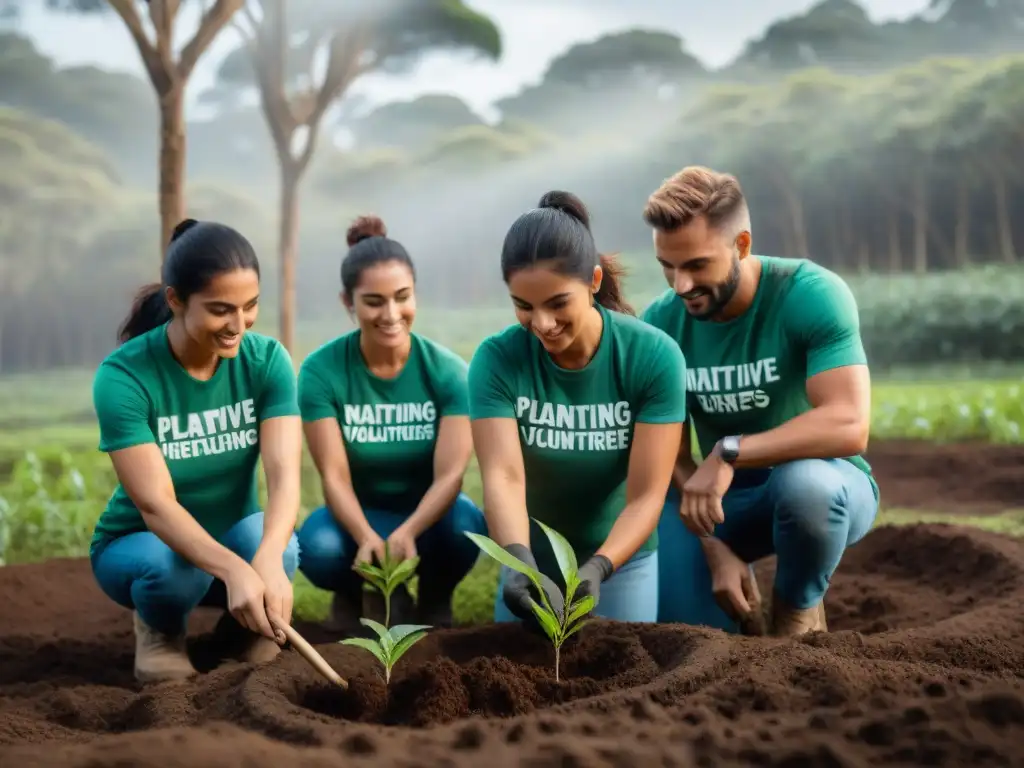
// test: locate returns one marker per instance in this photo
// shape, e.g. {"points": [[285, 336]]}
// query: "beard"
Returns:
{"points": [[720, 295]]}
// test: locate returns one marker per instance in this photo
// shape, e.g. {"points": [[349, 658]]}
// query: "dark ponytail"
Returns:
{"points": [[558, 231], [197, 253]]}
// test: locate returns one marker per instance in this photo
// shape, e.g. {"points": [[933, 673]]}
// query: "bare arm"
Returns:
{"points": [[504, 478], [328, 450], [685, 465], [652, 460], [837, 425], [451, 457], [143, 474], [281, 452]]}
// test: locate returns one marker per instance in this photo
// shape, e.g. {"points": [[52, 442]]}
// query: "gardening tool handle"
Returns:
{"points": [[308, 652]]}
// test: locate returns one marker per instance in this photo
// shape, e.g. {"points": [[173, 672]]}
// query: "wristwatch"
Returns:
{"points": [[729, 448]]}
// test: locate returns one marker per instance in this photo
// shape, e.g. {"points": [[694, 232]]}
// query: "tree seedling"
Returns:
{"points": [[391, 645], [388, 576], [558, 622]]}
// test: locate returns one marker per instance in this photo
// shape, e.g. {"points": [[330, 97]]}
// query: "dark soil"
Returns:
{"points": [[923, 666]]}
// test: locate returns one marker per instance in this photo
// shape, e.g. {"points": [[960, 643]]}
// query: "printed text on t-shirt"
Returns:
{"points": [[208, 433], [559, 427]]}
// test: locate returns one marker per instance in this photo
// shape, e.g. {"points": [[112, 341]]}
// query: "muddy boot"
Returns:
{"points": [[242, 645], [402, 607], [436, 614], [159, 657], [790, 622]]}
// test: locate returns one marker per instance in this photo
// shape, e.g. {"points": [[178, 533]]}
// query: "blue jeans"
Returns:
{"points": [[446, 553], [140, 572], [631, 594], [807, 512]]}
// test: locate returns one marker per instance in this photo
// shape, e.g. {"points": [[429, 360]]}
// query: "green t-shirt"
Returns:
{"points": [[748, 375], [208, 430], [389, 426], [576, 426]]}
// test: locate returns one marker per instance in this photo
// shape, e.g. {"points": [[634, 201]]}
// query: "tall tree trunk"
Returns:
{"points": [[1004, 224], [962, 224], [288, 250], [172, 162], [920, 214], [895, 243]]}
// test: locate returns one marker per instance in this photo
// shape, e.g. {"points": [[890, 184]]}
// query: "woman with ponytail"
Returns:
{"points": [[386, 418], [187, 406], [577, 416]]}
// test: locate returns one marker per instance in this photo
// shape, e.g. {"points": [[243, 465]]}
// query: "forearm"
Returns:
{"points": [[174, 526], [633, 527], [826, 432], [683, 471], [505, 510], [435, 503], [345, 507], [282, 511]]}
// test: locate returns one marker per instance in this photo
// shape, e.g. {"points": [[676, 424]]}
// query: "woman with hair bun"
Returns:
{"points": [[577, 416], [386, 419], [187, 406]]}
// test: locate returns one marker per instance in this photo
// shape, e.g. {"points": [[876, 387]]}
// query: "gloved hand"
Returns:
{"points": [[518, 589], [591, 575]]}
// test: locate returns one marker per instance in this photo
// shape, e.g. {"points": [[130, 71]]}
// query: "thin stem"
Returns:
{"points": [[387, 610], [557, 659]]}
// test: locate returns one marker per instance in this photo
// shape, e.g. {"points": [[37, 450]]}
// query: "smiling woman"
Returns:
{"points": [[187, 406], [385, 417], [577, 415]]}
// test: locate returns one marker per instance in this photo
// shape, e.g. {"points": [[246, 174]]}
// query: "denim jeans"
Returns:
{"points": [[807, 512], [140, 572], [630, 594], [446, 553]]}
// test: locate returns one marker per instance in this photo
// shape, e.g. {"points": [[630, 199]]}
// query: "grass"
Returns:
{"points": [[54, 483]]}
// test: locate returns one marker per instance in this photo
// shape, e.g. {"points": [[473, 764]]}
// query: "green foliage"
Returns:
{"points": [[391, 645], [559, 622], [388, 576]]}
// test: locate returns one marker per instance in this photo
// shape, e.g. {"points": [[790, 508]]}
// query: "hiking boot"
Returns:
{"points": [[160, 657], [343, 617], [791, 622], [438, 614], [242, 644], [402, 607]]}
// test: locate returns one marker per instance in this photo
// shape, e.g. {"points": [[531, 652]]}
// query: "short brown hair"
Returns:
{"points": [[694, 192]]}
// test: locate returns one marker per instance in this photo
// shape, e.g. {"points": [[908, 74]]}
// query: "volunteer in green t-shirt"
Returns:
{"points": [[187, 406], [779, 396], [577, 416], [386, 420]]}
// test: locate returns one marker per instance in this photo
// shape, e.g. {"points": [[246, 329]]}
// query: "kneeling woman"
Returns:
{"points": [[577, 416], [386, 420], [187, 406]]}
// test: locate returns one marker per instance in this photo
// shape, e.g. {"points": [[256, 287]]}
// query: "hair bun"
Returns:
{"points": [[365, 227], [184, 226], [566, 202]]}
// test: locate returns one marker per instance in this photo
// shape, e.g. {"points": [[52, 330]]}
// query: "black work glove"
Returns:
{"points": [[518, 590], [591, 575]]}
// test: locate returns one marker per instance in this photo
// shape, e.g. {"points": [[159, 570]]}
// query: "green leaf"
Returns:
{"points": [[571, 585], [573, 630], [407, 642], [402, 572], [380, 629], [563, 551], [581, 609], [548, 622], [491, 548], [368, 645], [399, 631]]}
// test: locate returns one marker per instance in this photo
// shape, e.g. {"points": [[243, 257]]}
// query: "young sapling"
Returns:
{"points": [[391, 644], [558, 622], [388, 576]]}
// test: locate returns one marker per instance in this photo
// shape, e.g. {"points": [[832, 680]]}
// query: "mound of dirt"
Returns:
{"points": [[966, 478], [922, 667]]}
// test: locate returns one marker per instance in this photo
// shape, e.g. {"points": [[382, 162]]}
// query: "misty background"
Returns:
{"points": [[882, 139]]}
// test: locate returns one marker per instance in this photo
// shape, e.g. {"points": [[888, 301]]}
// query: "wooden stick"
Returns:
{"points": [[308, 652]]}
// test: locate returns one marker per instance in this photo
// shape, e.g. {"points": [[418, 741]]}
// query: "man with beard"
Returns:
{"points": [[779, 396]]}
